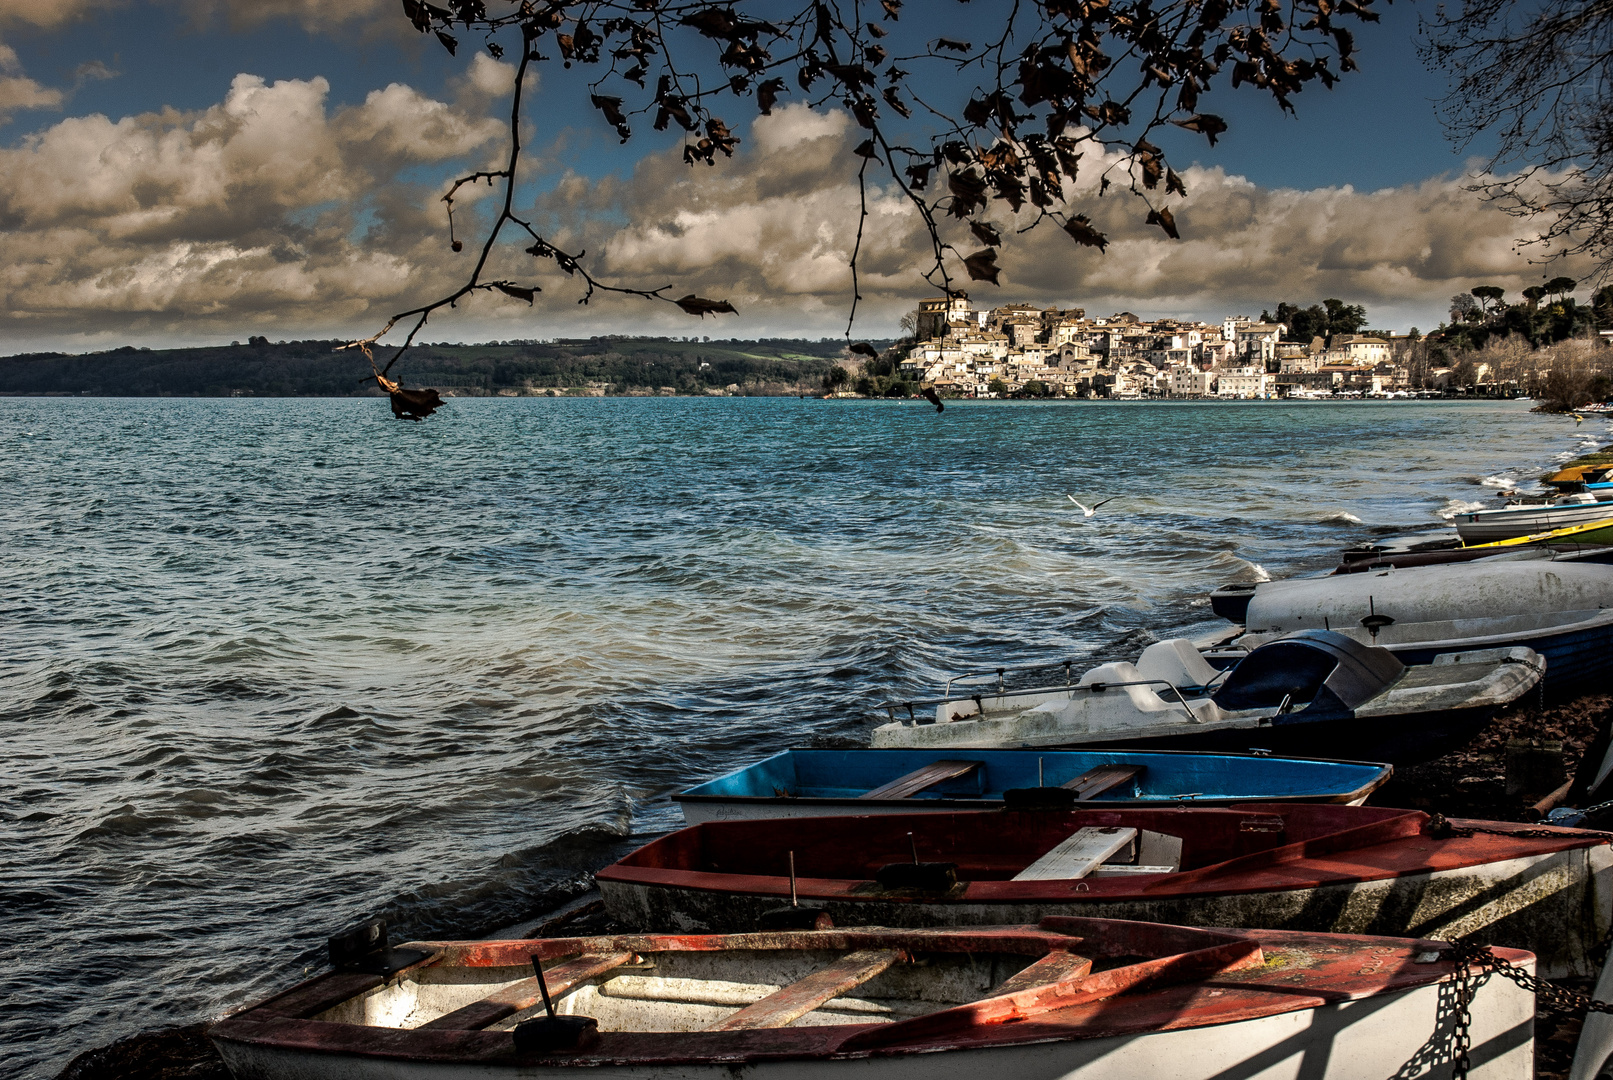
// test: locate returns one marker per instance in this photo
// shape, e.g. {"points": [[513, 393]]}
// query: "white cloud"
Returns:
{"points": [[49, 13], [489, 77], [266, 208], [270, 212]]}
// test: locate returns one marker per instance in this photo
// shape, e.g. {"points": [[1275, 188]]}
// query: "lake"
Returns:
{"points": [[270, 667]]}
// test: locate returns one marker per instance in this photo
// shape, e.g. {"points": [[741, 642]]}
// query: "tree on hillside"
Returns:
{"points": [[1602, 308], [1465, 308], [1331, 316], [1489, 298], [1056, 87], [835, 378], [1538, 77]]}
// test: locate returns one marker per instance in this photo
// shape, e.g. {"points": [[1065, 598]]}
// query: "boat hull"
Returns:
{"points": [[1486, 526], [1577, 658], [1345, 1040], [1398, 740], [1546, 903], [828, 783], [1061, 999]]}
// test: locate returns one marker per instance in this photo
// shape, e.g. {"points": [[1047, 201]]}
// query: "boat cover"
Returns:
{"points": [[1320, 668]]}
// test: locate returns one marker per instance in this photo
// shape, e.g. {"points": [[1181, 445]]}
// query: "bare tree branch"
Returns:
{"points": [[1061, 78]]}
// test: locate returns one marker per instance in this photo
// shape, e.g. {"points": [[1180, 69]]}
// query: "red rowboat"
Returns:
{"points": [[1343, 869], [1077, 999]]}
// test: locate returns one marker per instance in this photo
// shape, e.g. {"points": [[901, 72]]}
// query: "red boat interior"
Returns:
{"points": [[998, 845], [1254, 846]]}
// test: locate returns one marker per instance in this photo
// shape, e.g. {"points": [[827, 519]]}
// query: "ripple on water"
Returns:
{"points": [[248, 700]]}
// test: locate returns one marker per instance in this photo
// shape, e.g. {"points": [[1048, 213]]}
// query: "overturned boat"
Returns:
{"points": [[1344, 869], [1562, 610], [823, 783], [1314, 692], [1073, 998]]}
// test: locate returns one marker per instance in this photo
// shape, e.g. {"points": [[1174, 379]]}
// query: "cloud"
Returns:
{"points": [[774, 229], [49, 13], [267, 209], [270, 212], [20, 92], [17, 91]]}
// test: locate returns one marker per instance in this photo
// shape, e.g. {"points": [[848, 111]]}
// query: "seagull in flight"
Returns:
{"points": [[1578, 419], [1088, 511]]}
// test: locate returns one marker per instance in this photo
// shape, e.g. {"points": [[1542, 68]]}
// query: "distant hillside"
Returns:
{"points": [[310, 368]]}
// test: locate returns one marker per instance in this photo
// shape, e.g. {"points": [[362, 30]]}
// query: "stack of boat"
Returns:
{"points": [[1157, 866]]}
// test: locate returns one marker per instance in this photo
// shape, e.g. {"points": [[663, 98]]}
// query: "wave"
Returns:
{"points": [[1339, 518], [1502, 481], [1243, 570], [1453, 507]]}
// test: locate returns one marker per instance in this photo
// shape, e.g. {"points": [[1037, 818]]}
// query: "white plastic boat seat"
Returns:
{"points": [[1144, 698], [1177, 662], [1122, 671], [1077, 854], [794, 1001]]}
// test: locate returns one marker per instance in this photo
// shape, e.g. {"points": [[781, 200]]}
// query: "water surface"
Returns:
{"points": [[270, 667]]}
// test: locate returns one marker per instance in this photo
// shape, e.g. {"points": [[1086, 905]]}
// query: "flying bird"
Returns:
{"points": [[1578, 419], [1088, 511]]}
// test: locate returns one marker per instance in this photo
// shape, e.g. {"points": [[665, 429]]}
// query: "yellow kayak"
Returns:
{"points": [[1590, 532]]}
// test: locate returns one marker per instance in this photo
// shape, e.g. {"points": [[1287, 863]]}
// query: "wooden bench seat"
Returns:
{"points": [[1052, 968], [524, 994], [1077, 854], [935, 772], [790, 1003], [1100, 778]]}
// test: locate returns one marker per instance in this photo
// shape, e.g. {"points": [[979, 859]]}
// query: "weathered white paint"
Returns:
{"points": [[1076, 855]]}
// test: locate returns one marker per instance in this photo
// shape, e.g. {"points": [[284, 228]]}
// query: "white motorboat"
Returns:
{"points": [[1314, 692], [1561, 609]]}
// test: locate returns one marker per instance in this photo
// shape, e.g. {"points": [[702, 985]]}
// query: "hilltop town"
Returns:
{"points": [[1025, 351]]}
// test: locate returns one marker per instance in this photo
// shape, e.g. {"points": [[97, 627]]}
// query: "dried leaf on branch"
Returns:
{"points": [[699, 305]]}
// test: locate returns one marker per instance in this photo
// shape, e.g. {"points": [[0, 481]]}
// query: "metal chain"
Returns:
{"points": [[1589, 810], [1466, 957], [1440, 827], [1461, 1035]]}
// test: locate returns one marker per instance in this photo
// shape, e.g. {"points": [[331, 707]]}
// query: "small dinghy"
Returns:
{"points": [[1589, 542], [1309, 693], [823, 783], [1079, 999], [1342, 869], [1523, 518], [1562, 610]]}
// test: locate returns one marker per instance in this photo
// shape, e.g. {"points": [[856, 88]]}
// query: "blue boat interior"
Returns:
{"points": [[849, 774]]}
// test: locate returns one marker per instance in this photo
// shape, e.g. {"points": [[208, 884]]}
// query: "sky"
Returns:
{"points": [[200, 171]]}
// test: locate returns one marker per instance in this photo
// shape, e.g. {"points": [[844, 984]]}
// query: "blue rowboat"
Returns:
{"points": [[827, 783]]}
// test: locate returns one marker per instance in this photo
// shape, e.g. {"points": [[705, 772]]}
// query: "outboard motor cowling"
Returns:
{"points": [[1317, 671]]}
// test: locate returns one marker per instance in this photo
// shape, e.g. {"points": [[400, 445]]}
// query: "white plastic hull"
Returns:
{"points": [[1485, 526]]}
